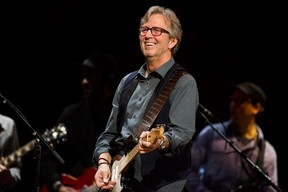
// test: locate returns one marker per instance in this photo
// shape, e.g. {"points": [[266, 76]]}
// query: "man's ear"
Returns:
{"points": [[172, 43], [258, 106]]}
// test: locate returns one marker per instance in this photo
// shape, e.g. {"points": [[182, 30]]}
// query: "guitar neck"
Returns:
{"points": [[152, 136], [125, 161], [16, 155], [56, 134]]}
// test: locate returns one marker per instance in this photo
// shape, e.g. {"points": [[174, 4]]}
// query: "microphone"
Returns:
{"points": [[205, 110], [205, 113], [4, 99]]}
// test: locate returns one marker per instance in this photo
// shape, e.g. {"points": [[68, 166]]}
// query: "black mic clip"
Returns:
{"points": [[204, 110]]}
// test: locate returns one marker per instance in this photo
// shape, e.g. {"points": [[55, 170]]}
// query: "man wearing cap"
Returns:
{"points": [[216, 166], [85, 120]]}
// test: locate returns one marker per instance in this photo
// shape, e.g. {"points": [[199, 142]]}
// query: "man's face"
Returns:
{"points": [[91, 80], [156, 46], [241, 105]]}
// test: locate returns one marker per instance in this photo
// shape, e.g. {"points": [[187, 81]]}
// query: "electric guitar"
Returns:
{"points": [[52, 136], [84, 183], [121, 166]]}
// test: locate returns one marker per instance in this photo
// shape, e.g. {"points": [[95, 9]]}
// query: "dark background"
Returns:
{"points": [[223, 43]]}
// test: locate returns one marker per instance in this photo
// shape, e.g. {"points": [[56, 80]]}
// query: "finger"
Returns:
{"points": [[105, 181]]}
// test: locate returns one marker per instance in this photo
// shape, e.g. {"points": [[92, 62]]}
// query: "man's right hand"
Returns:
{"points": [[102, 177]]}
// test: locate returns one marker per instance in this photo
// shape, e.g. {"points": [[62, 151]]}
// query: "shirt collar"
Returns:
{"points": [[160, 71]]}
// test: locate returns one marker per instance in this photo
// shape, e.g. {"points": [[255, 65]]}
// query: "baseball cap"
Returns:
{"points": [[254, 91]]}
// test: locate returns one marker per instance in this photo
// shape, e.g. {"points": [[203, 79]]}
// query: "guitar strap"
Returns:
{"points": [[261, 153], [156, 107], [166, 86]]}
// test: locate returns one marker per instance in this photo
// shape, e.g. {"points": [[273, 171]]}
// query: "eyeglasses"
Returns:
{"points": [[156, 31]]}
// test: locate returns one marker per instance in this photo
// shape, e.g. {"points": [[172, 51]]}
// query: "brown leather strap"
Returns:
{"points": [[156, 107]]}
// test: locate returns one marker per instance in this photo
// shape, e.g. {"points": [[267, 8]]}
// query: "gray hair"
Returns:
{"points": [[175, 25]]}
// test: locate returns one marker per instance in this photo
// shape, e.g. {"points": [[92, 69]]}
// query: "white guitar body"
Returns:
{"points": [[116, 174]]}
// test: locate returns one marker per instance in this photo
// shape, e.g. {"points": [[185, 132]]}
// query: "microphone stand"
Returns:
{"points": [[254, 167], [38, 138]]}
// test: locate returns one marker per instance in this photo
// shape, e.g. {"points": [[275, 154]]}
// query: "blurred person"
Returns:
{"points": [[10, 171], [161, 164], [216, 166], [85, 121]]}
